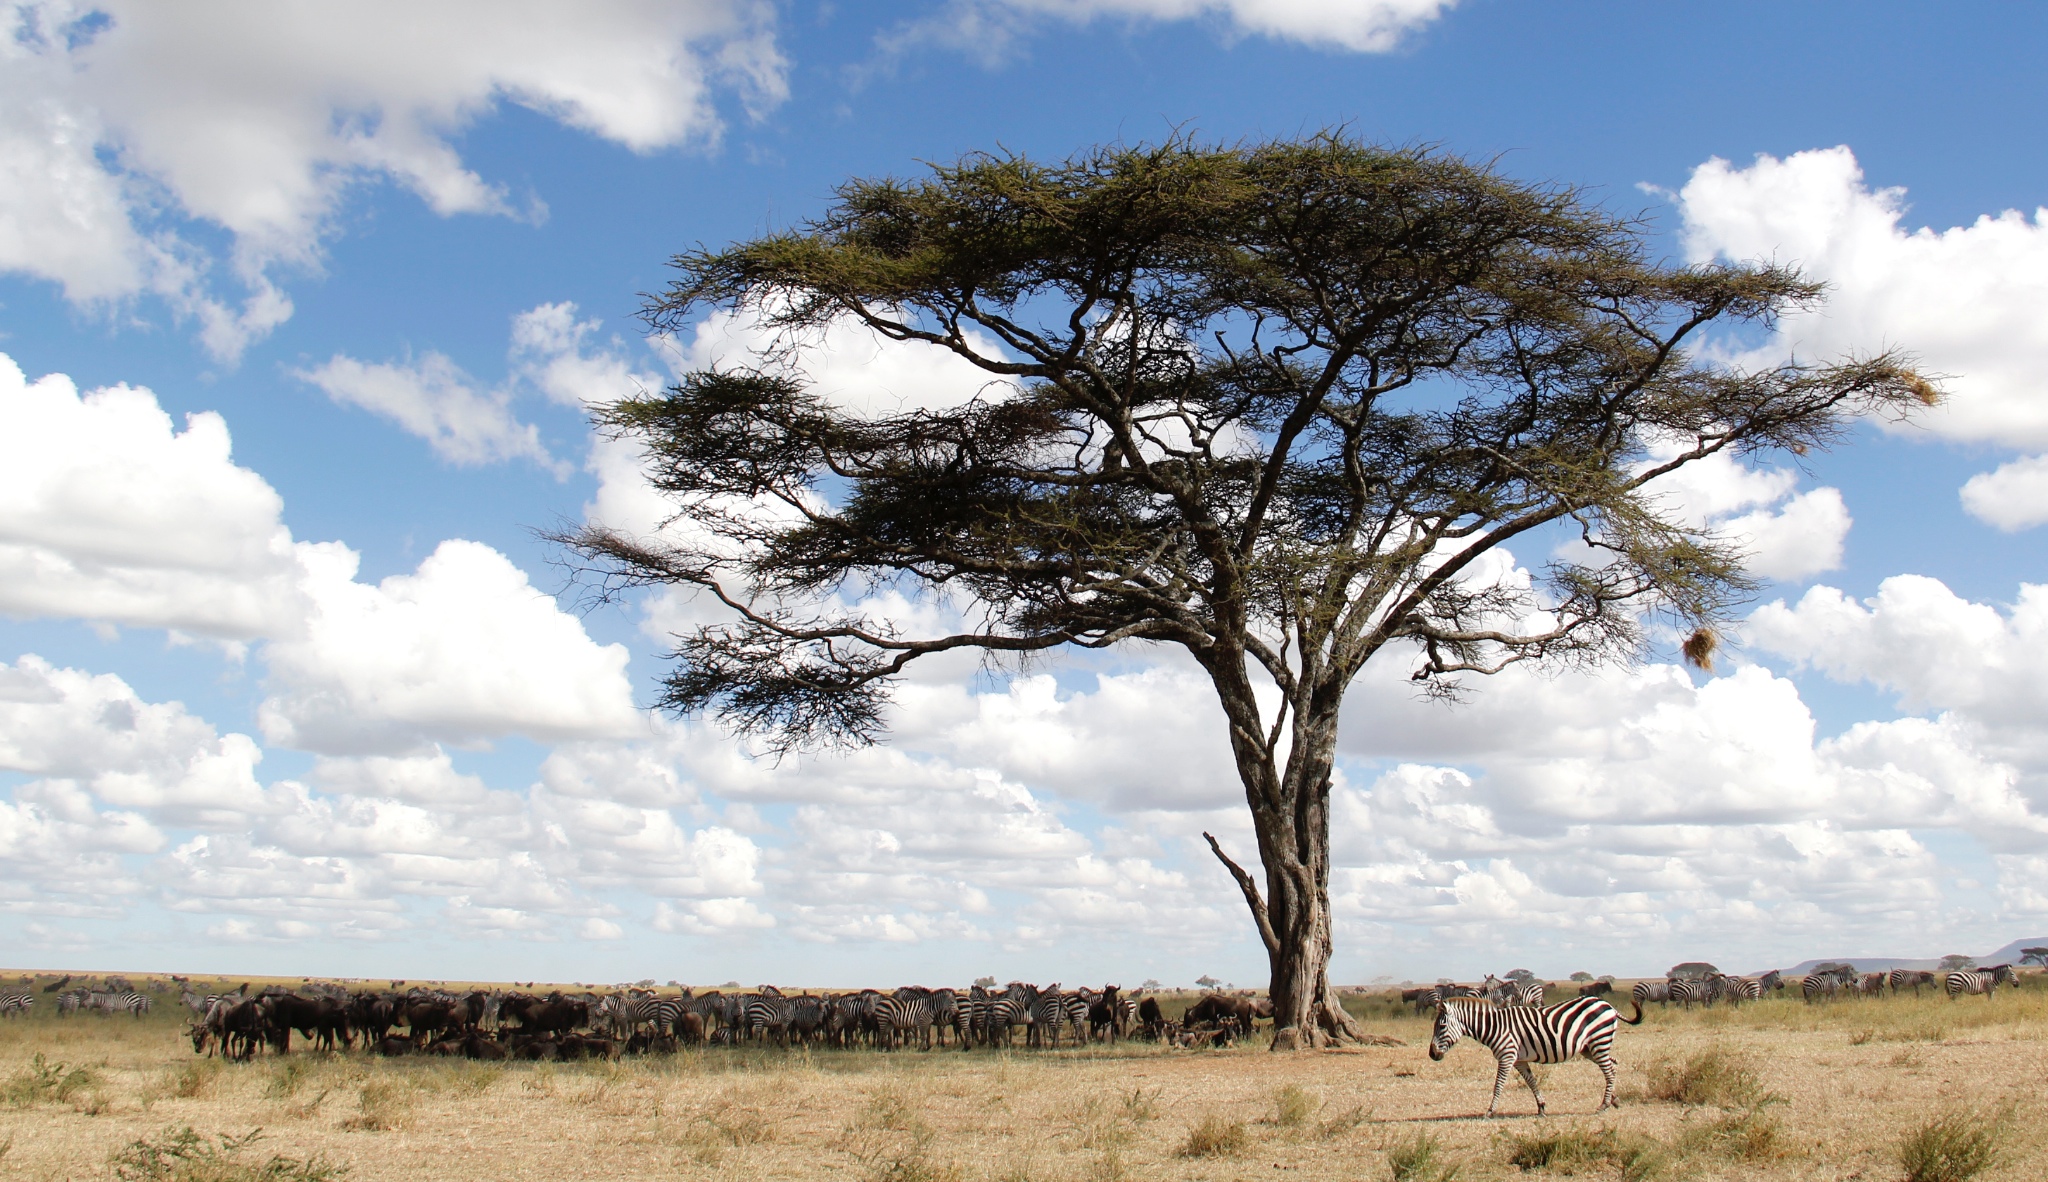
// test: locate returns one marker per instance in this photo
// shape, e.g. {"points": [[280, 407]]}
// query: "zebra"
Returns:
{"points": [[1521, 1035], [1740, 989], [15, 1003], [1015, 1006], [1525, 993], [1899, 979], [765, 1013], [1657, 991], [1985, 980], [897, 1016], [1870, 985], [1687, 990], [1822, 985], [1048, 1013]]}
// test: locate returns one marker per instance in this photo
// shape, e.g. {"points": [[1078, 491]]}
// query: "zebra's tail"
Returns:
{"points": [[1638, 1019]]}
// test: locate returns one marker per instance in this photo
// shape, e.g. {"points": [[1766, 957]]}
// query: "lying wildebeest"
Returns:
{"points": [[1223, 1009], [1595, 988]]}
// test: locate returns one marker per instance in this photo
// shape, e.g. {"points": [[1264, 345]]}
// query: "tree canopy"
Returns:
{"points": [[1277, 404]]}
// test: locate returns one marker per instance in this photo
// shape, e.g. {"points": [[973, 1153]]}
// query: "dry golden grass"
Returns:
{"points": [[1774, 1091]]}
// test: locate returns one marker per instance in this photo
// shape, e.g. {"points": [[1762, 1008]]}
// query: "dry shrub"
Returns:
{"points": [[1713, 1076], [181, 1155], [1751, 1134], [890, 1142], [287, 1076], [1293, 1106], [1216, 1137], [1141, 1106], [382, 1106], [188, 1081], [1573, 1149], [1342, 1123], [1954, 1147], [1422, 1159]]}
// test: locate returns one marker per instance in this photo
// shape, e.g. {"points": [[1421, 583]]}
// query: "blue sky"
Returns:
{"points": [[392, 250]]}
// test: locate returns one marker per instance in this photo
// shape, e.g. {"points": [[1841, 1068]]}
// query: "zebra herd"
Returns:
{"points": [[1844, 979], [71, 1001]]}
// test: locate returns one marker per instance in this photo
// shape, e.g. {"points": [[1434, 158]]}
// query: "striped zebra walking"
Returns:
{"points": [[1521, 1035], [15, 1003], [1985, 980]]}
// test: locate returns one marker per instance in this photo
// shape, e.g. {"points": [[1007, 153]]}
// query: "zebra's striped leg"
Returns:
{"points": [[1529, 1077], [1606, 1064], [1503, 1066]]}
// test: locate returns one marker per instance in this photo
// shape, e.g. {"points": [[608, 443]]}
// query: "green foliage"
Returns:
{"points": [[1954, 1147], [41, 1081], [1413, 357], [182, 1155]]}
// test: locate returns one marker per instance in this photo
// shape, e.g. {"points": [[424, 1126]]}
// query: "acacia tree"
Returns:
{"points": [[1271, 403]]}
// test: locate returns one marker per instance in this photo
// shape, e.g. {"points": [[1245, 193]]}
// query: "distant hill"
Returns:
{"points": [[2010, 954]]}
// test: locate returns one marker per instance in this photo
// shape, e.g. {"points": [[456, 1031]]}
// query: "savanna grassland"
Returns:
{"points": [[1889, 1089]]}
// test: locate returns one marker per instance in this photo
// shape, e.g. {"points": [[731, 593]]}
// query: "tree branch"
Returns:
{"points": [[1251, 896]]}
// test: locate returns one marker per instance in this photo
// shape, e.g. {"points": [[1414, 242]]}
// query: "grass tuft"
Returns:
{"points": [[1422, 1158], [181, 1155], [1216, 1137], [382, 1105], [1713, 1076], [1954, 1147], [1569, 1150]]}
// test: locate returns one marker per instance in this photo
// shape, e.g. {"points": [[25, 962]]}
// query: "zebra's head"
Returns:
{"points": [[1447, 1032]]}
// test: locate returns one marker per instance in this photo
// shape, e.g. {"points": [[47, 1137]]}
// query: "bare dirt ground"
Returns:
{"points": [[1776, 1090]]}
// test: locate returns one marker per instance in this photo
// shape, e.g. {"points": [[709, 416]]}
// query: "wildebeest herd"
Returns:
{"points": [[496, 1024]]}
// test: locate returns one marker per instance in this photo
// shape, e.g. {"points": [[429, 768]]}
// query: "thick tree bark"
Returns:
{"points": [[1291, 818]]}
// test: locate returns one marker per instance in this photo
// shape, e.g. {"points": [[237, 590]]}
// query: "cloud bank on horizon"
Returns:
{"points": [[447, 764]]}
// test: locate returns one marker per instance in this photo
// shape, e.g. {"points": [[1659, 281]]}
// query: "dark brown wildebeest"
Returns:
{"points": [[321, 1019], [1150, 1019], [1595, 988], [555, 1013], [1105, 1014]]}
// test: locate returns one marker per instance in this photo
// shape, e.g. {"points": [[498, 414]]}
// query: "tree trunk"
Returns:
{"points": [[1291, 816]]}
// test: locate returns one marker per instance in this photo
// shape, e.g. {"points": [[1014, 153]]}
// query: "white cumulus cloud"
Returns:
{"points": [[126, 124], [465, 649], [1970, 302], [108, 512]]}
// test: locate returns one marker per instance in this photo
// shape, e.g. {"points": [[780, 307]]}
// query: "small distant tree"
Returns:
{"points": [[985, 982], [1837, 967], [1519, 975], [2034, 956], [1954, 961], [1280, 405], [1692, 969], [1207, 982], [1150, 983], [1582, 976]]}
